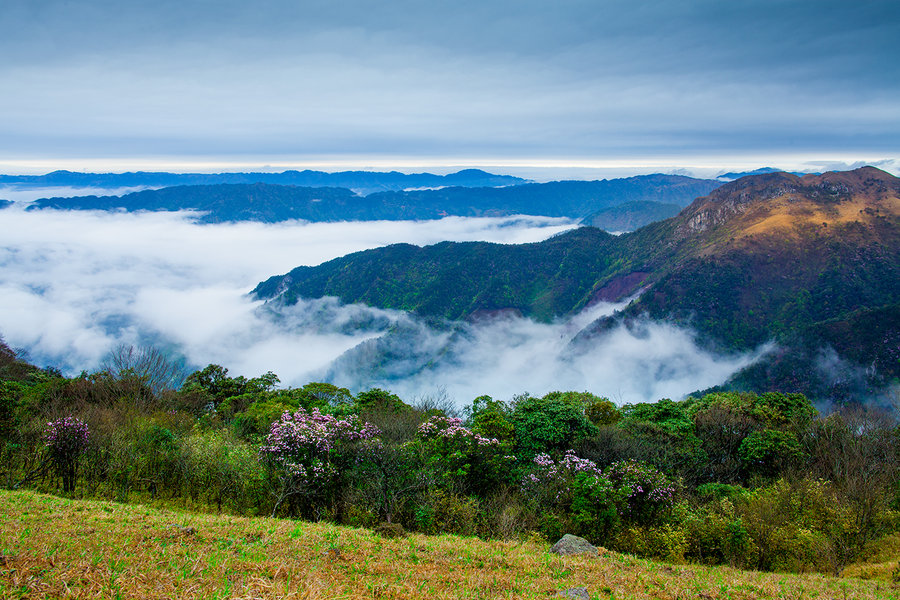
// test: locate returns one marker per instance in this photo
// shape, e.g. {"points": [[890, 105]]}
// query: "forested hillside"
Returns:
{"points": [[272, 203], [768, 257]]}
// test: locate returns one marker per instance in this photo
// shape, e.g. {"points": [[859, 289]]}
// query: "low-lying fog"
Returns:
{"points": [[74, 285]]}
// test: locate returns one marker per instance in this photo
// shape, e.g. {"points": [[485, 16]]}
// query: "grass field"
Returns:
{"points": [[52, 547]]}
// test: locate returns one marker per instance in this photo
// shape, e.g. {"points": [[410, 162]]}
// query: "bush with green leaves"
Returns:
{"points": [[491, 419], [769, 452], [462, 460], [554, 423], [221, 469], [651, 494], [443, 511], [553, 482]]}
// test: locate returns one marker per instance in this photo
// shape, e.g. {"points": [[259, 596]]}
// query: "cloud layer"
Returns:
{"points": [[76, 284], [465, 79]]}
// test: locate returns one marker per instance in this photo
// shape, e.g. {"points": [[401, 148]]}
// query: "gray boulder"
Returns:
{"points": [[572, 544]]}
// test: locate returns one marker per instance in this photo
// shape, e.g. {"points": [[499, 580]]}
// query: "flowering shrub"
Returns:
{"points": [[66, 439], [650, 492], [450, 428], [311, 452], [599, 500], [552, 482], [462, 459]]}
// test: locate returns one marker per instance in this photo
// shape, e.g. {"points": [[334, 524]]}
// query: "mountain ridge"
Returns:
{"points": [[364, 182], [274, 203], [708, 268]]}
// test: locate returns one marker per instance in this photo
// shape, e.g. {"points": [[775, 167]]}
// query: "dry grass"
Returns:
{"points": [[883, 563], [786, 213], [58, 548]]}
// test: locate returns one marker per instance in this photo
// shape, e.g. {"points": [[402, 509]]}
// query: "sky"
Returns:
{"points": [[586, 86], [76, 285]]}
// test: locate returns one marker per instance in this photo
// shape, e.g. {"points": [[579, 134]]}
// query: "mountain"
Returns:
{"points": [[362, 182], [227, 202], [273, 203], [575, 199], [5, 204], [761, 171], [811, 262], [631, 215]]}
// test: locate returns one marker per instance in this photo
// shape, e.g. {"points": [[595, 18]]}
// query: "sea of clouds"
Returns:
{"points": [[74, 285]]}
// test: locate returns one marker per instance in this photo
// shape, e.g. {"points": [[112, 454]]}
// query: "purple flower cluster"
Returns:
{"points": [[450, 428], [553, 480], [638, 490], [646, 492], [66, 437], [305, 432], [305, 443], [647, 484], [568, 467]]}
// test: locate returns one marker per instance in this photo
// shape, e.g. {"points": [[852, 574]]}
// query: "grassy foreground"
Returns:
{"points": [[52, 547]]}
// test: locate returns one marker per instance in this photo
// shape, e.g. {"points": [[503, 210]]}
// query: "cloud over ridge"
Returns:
{"points": [[76, 284]]}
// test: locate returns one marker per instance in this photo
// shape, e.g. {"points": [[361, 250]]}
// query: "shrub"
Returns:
{"points": [[552, 423], [386, 481], [602, 412], [802, 525], [666, 541], [65, 440], [769, 452], [552, 483], [225, 470], [462, 460], [597, 507], [716, 534], [441, 511], [310, 455], [650, 493]]}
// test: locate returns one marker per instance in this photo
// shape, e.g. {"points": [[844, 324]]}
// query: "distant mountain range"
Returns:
{"points": [[273, 203], [761, 171], [811, 262], [362, 182]]}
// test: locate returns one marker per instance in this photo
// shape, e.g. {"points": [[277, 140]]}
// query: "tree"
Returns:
{"points": [[144, 367], [549, 424]]}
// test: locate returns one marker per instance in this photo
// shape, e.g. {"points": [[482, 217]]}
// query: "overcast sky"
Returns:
{"points": [[207, 83]]}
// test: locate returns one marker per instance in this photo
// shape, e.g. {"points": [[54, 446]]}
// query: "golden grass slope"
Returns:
{"points": [[58, 548], [784, 205]]}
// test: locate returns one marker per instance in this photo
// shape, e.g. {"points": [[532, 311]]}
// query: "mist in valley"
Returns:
{"points": [[75, 285]]}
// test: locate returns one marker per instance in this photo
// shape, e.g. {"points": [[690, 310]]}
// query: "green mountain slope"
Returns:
{"points": [[459, 280], [772, 256], [631, 215]]}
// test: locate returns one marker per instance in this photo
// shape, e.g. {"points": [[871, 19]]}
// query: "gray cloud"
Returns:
{"points": [[476, 80]]}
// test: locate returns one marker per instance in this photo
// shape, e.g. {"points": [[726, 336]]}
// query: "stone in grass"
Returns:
{"points": [[572, 544], [579, 593]]}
